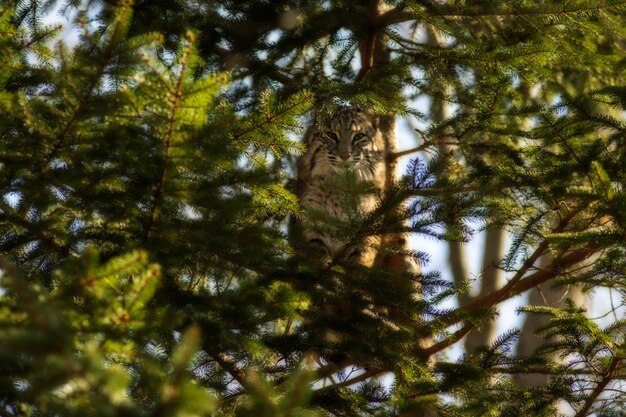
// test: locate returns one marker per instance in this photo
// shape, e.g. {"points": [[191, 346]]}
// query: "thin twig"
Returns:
{"points": [[370, 373], [449, 341], [608, 377], [229, 367]]}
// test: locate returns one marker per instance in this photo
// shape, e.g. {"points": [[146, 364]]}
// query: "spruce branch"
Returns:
{"points": [[515, 369], [427, 352], [505, 292], [269, 119], [34, 40], [423, 147], [556, 268], [452, 11], [141, 154], [252, 64], [108, 54], [518, 284], [607, 377], [399, 15], [367, 374], [229, 366], [172, 120]]}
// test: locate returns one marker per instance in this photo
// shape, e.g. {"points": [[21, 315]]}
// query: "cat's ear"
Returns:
{"points": [[309, 134], [372, 116]]}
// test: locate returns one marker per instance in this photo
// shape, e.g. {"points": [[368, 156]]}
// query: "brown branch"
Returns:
{"points": [[367, 48], [401, 15], [325, 371], [537, 369], [508, 291], [517, 285], [177, 98], [252, 65], [437, 347], [553, 270], [435, 191], [229, 367], [422, 147], [500, 295], [607, 377], [367, 57], [449, 11], [433, 142], [370, 373], [395, 16]]}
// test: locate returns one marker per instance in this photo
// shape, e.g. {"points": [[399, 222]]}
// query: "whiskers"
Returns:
{"points": [[363, 167]]}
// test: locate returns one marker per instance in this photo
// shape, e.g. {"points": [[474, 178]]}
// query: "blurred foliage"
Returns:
{"points": [[145, 181]]}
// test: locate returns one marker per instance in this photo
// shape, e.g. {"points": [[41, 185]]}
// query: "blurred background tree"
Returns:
{"points": [[145, 179]]}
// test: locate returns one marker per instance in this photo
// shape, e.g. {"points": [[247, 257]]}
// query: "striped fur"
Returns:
{"points": [[347, 143]]}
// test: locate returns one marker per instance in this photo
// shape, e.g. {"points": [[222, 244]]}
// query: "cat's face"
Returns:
{"points": [[349, 136]]}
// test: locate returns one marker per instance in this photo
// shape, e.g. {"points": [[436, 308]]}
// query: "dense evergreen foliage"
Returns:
{"points": [[146, 183]]}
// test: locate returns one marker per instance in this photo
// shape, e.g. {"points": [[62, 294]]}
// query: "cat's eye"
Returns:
{"points": [[358, 136], [333, 136]]}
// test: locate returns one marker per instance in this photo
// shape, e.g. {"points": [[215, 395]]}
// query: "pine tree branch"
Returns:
{"points": [[424, 146], [367, 48], [520, 369], [272, 118], [369, 373], [252, 65], [34, 40], [401, 15], [518, 284], [506, 291], [606, 379], [222, 359], [519, 12], [86, 98], [33, 230], [559, 265], [169, 136], [426, 353]]}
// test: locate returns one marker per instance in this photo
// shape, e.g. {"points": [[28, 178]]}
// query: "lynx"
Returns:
{"points": [[347, 144]]}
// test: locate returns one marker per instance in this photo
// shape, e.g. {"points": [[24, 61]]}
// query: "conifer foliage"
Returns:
{"points": [[146, 187]]}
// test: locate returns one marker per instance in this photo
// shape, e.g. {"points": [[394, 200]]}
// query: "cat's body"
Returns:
{"points": [[348, 143], [342, 176]]}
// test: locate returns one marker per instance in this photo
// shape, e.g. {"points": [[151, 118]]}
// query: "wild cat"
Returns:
{"points": [[348, 144]]}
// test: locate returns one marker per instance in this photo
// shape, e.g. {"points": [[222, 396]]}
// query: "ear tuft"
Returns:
{"points": [[372, 116]]}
